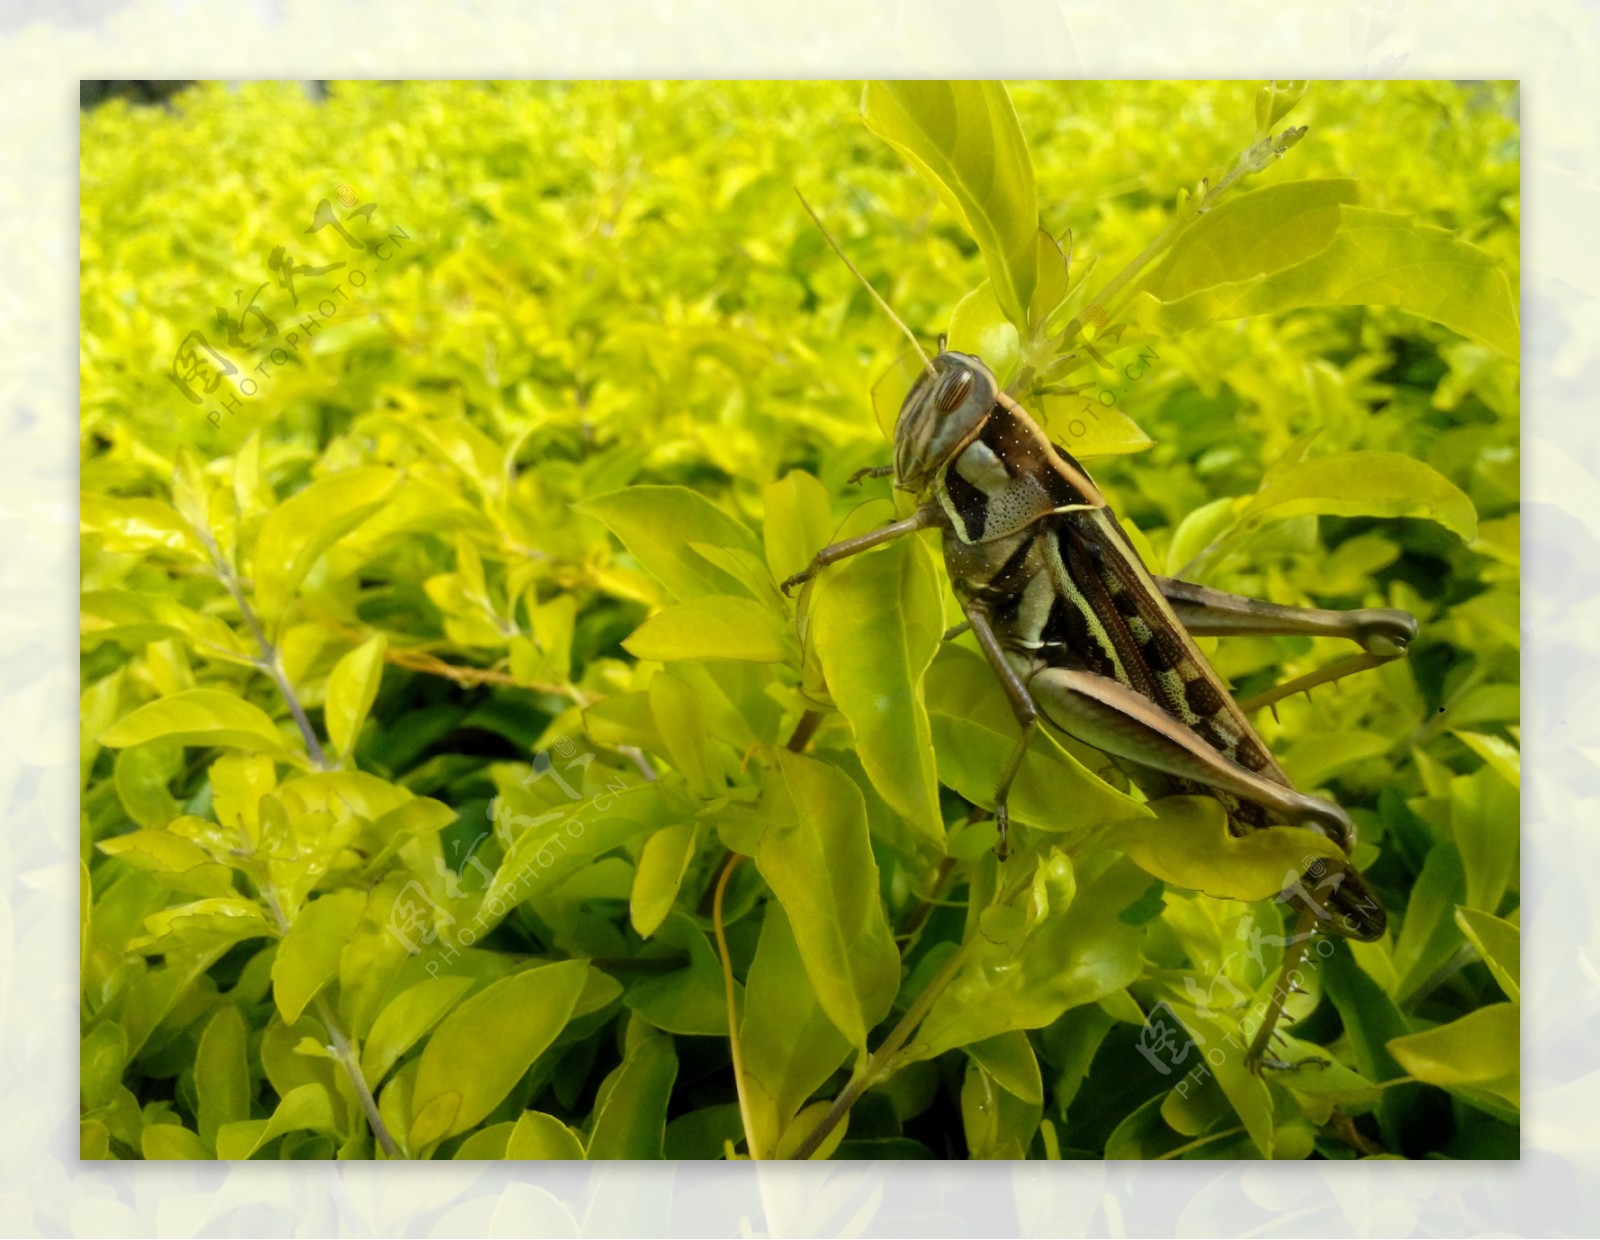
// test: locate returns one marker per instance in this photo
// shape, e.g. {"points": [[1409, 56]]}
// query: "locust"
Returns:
{"points": [[1084, 638]]}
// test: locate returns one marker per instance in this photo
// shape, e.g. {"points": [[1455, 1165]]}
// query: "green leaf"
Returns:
{"points": [[102, 1058], [691, 1000], [876, 623], [142, 774], [802, 1127], [298, 531], [352, 688], [680, 719], [308, 956], [181, 864], [406, 1020], [222, 1073], [663, 861], [789, 1045], [208, 923], [1307, 243], [630, 1113], [980, 327], [974, 734], [1188, 844], [548, 850], [717, 626], [1363, 484], [997, 1124], [1499, 943], [483, 1047], [817, 858], [798, 523], [1502, 756], [1069, 950], [542, 1136], [1085, 427], [306, 1107], [198, 717], [1485, 815], [964, 138], [171, 1141], [133, 525], [1481, 1051], [656, 524], [1372, 1022], [1009, 1060]]}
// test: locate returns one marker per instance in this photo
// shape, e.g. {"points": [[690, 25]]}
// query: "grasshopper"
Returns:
{"points": [[1083, 636]]}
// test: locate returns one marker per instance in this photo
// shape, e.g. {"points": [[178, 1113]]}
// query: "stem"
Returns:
{"points": [[341, 1042], [347, 1057], [733, 1007], [1198, 1142], [269, 661], [804, 731], [877, 1066]]}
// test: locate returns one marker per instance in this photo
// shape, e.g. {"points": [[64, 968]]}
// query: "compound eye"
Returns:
{"points": [[955, 390]]}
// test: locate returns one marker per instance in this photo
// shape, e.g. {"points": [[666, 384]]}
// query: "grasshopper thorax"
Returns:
{"points": [[949, 403]]}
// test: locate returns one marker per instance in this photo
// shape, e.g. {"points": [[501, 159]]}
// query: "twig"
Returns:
{"points": [[877, 1066], [269, 661], [347, 1057], [343, 1050], [804, 731], [733, 1006]]}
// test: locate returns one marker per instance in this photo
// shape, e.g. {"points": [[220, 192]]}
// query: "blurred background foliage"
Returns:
{"points": [[361, 651]]}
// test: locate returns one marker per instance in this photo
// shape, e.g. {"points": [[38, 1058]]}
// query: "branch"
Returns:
{"points": [[269, 662], [733, 1007]]}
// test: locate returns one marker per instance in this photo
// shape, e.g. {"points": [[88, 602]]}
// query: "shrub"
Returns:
{"points": [[435, 680]]}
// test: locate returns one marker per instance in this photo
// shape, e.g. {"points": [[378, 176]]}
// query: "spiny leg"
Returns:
{"points": [[1105, 713], [1022, 706], [1293, 952], [1381, 631], [925, 516], [1384, 633], [870, 471]]}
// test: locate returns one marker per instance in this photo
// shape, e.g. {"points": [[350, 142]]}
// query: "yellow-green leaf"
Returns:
{"points": [[1499, 942], [656, 524], [222, 1073], [1187, 844], [198, 717], [483, 1047], [974, 734], [1480, 1051], [542, 1136], [876, 622], [716, 626], [308, 956], [1364, 484], [297, 532], [964, 138], [352, 688], [817, 858], [799, 521], [1307, 243], [406, 1020]]}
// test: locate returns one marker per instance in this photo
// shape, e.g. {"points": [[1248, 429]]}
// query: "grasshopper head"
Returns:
{"points": [[943, 411]]}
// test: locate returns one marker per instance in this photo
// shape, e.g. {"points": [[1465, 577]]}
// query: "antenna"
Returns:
{"points": [[867, 284]]}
